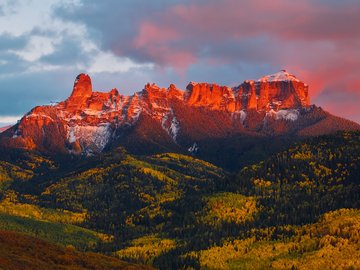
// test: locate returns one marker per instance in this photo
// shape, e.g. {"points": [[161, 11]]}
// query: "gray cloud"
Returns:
{"points": [[11, 42], [114, 25], [68, 52], [198, 23], [11, 64], [8, 7]]}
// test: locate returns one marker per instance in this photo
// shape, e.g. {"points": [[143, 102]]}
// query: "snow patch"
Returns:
{"points": [[241, 115], [194, 148], [71, 136], [16, 134], [282, 75], [91, 138], [174, 128], [163, 121], [290, 115]]}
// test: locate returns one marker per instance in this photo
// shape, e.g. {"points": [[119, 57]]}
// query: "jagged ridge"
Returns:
{"points": [[88, 121]]}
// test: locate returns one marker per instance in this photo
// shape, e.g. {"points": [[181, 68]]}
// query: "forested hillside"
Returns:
{"points": [[298, 209]]}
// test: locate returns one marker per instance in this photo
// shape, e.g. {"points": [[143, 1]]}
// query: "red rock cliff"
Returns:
{"points": [[281, 90], [87, 121]]}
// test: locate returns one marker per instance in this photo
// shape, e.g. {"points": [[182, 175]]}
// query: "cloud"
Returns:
{"points": [[68, 52], [37, 47], [12, 42], [108, 62], [280, 33], [342, 103], [9, 120], [312, 39], [128, 43]]}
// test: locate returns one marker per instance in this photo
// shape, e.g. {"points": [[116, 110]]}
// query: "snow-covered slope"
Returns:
{"points": [[282, 75]]}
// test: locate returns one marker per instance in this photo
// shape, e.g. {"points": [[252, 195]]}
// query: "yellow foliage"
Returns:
{"points": [[302, 155], [174, 156], [146, 249], [9, 171], [228, 208], [157, 174], [218, 257], [39, 213], [331, 243], [261, 183]]}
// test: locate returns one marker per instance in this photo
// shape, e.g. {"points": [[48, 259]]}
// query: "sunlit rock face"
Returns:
{"points": [[89, 122], [212, 96], [82, 90], [278, 91]]}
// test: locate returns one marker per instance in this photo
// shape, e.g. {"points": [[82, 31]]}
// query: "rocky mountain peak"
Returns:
{"points": [[82, 86], [282, 75], [88, 122], [82, 90], [281, 90], [174, 92]]}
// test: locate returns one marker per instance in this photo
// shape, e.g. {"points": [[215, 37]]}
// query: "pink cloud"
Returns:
{"points": [[341, 103], [311, 39], [150, 32], [155, 41]]}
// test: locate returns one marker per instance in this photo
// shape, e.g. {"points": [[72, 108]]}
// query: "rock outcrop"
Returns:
{"points": [[89, 121], [211, 96], [82, 91], [278, 91]]}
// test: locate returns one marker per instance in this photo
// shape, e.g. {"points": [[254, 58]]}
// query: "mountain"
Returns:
{"points": [[198, 120]]}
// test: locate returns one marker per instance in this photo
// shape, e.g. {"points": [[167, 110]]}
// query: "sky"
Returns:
{"points": [[124, 44]]}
